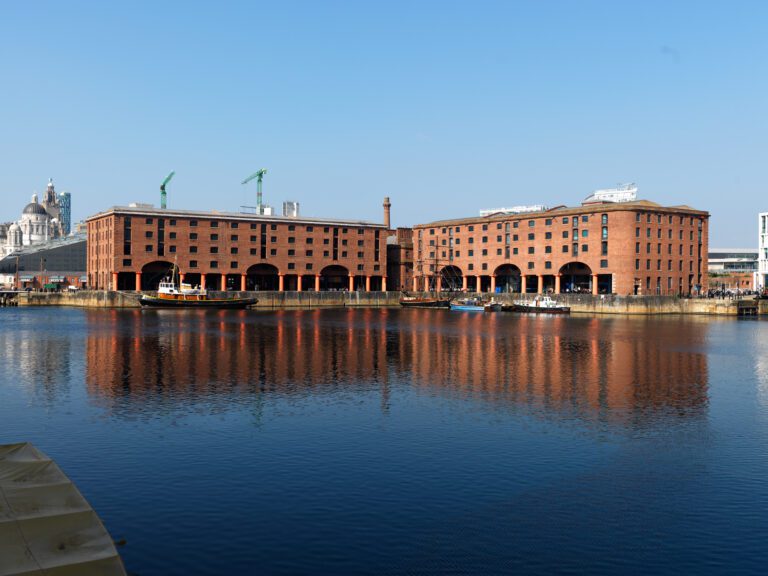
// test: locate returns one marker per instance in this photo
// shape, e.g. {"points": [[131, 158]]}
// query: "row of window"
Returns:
{"points": [[253, 251], [515, 238], [236, 225], [658, 248], [531, 250], [214, 264], [253, 238], [530, 265], [516, 224], [670, 219], [669, 265], [648, 234]]}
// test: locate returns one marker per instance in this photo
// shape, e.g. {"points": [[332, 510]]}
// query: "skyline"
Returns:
{"points": [[345, 104]]}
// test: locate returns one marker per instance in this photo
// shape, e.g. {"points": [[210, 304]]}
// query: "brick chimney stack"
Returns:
{"points": [[387, 206]]}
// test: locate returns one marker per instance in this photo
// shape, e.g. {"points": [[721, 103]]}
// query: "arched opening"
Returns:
{"points": [[334, 278], [262, 277], [126, 281], [576, 277], [451, 278], [154, 272], [507, 278]]}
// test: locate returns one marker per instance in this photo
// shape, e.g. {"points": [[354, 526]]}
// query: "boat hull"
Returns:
{"points": [[467, 307], [218, 303], [424, 303], [541, 309]]}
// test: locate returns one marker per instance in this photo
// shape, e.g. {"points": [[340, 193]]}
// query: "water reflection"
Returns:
{"points": [[620, 370]]}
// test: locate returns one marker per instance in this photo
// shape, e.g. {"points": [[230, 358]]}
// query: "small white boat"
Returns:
{"points": [[540, 304]]}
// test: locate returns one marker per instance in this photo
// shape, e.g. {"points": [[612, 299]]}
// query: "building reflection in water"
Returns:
{"points": [[623, 370]]}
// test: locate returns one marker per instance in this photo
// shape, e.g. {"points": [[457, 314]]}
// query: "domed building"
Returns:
{"points": [[39, 223]]}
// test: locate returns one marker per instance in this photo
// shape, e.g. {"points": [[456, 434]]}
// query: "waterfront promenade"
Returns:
{"points": [[579, 303]]}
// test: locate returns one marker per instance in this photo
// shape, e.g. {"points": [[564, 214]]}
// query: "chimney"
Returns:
{"points": [[387, 206]]}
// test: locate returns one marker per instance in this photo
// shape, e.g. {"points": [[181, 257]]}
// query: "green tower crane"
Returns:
{"points": [[259, 177], [162, 189]]}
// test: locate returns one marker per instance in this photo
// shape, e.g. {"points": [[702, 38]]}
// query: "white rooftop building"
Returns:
{"points": [[762, 259]]}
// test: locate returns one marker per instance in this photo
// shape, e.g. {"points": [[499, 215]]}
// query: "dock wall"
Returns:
{"points": [[579, 303], [614, 304], [110, 299]]}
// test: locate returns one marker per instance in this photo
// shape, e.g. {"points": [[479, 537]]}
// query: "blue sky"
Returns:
{"points": [[446, 107]]}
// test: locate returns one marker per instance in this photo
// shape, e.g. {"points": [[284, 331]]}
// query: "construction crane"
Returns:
{"points": [[162, 189], [259, 177]]}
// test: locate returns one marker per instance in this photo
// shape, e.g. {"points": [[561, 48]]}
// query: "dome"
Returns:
{"points": [[34, 208]]}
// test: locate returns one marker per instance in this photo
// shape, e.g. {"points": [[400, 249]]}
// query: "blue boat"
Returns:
{"points": [[470, 304]]}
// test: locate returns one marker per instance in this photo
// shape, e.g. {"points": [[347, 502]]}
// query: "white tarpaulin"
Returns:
{"points": [[46, 526]]}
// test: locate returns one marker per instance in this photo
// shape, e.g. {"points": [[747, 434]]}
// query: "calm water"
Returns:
{"points": [[402, 441]]}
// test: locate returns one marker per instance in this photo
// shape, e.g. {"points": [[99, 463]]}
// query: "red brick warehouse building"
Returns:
{"points": [[133, 248], [612, 243]]}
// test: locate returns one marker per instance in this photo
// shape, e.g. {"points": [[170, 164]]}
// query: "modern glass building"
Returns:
{"points": [[65, 201], [762, 259]]}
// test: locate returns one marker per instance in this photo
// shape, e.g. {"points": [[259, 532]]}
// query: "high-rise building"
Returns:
{"points": [[762, 259], [65, 206]]}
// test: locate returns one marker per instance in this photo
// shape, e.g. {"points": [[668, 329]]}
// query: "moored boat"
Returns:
{"points": [[468, 304], [187, 296], [408, 301], [540, 305]]}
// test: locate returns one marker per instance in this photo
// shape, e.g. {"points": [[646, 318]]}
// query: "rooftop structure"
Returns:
{"points": [[622, 193]]}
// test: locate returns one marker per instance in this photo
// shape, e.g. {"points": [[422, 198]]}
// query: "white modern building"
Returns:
{"points": [[762, 260]]}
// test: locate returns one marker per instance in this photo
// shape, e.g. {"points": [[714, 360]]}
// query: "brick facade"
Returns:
{"points": [[132, 248], [623, 248]]}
